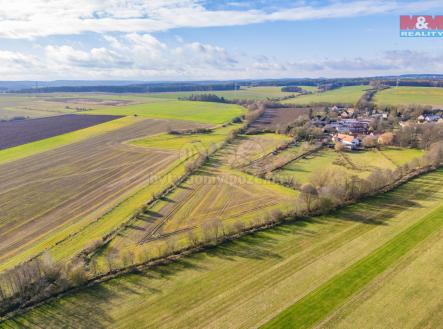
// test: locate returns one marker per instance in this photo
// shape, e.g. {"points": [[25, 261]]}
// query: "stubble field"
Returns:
{"points": [[248, 282]]}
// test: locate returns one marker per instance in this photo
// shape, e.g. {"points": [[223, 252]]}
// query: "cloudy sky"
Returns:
{"points": [[211, 39]]}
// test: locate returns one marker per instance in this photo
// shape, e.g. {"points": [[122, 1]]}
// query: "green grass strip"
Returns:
{"points": [[321, 302]]}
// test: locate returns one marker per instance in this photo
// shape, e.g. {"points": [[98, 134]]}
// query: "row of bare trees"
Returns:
{"points": [[419, 135], [38, 279]]}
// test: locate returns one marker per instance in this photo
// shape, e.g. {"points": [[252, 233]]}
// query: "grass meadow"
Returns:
{"points": [[185, 142], [320, 262], [44, 105], [381, 304], [203, 112], [349, 95], [313, 307], [410, 95], [357, 163], [253, 93]]}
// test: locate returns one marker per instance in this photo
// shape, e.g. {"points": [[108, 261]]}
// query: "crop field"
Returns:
{"points": [[226, 196], [357, 163], [216, 192], [309, 88], [411, 95], [276, 274], [212, 194], [203, 112], [346, 95], [13, 133], [46, 192], [249, 148], [44, 105], [29, 106], [25, 150], [187, 141], [414, 280], [271, 161], [253, 93], [304, 169], [275, 118]]}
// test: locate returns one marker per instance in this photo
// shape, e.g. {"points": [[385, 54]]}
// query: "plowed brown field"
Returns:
{"points": [[42, 193]]}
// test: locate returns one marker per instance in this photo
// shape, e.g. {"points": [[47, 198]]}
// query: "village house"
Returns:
{"points": [[348, 141]]}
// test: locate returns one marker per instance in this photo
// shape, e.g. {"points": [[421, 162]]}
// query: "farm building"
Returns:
{"points": [[348, 141], [429, 118], [353, 126]]}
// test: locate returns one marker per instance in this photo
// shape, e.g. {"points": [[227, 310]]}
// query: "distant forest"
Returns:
{"points": [[138, 88], [154, 87]]}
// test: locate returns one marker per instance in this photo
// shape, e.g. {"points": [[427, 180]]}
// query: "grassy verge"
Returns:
{"points": [[318, 304]]}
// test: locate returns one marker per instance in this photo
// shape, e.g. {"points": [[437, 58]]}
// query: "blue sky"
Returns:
{"points": [[200, 39]]}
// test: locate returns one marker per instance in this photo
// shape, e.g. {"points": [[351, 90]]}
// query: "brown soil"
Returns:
{"points": [[42, 193]]}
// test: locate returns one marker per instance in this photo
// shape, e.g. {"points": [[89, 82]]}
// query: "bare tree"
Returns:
{"points": [[110, 257], [308, 194], [193, 238], [386, 138]]}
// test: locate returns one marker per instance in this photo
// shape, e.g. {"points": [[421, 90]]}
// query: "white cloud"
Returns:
{"points": [[143, 57], [67, 56], [15, 64], [27, 19]]}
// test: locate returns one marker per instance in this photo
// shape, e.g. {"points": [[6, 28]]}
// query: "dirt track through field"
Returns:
{"points": [[41, 193]]}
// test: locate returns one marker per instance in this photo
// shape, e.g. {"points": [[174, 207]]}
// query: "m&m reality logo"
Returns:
{"points": [[421, 26]]}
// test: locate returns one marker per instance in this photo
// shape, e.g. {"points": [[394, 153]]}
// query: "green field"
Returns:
{"points": [[413, 280], [250, 281], [248, 148], [348, 95], [162, 105], [204, 112], [309, 88], [254, 93], [182, 142], [358, 163], [410, 95], [44, 105], [322, 301]]}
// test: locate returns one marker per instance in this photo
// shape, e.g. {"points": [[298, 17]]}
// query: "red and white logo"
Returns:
{"points": [[421, 26]]}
